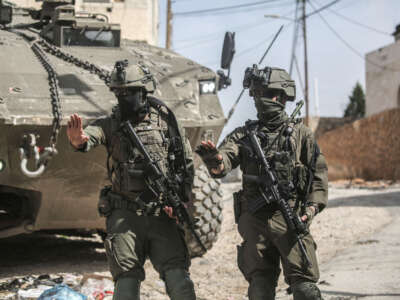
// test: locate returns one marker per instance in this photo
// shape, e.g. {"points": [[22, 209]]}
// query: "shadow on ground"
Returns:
{"points": [[390, 199], [43, 253], [348, 294]]}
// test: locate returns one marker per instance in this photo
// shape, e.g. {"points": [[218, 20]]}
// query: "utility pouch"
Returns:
{"points": [[104, 206], [132, 179], [237, 210]]}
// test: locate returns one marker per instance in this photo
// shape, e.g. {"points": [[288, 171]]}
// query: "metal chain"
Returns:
{"points": [[54, 95], [92, 68], [38, 48]]}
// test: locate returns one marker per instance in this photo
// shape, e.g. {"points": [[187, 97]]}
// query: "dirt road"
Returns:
{"points": [[353, 215], [370, 267]]}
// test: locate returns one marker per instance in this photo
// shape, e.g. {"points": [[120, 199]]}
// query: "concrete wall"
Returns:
{"points": [[383, 84], [138, 18], [326, 124], [368, 148]]}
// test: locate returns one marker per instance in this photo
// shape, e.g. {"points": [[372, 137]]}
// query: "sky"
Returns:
{"points": [[333, 67]]}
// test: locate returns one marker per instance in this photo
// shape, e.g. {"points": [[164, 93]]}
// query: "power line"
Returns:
{"points": [[247, 50], [359, 24], [322, 8], [259, 44], [188, 43], [296, 63], [355, 51], [212, 37], [208, 36], [225, 8]]}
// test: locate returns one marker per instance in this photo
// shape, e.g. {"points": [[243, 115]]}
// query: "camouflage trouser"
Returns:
{"points": [[266, 242], [132, 238]]}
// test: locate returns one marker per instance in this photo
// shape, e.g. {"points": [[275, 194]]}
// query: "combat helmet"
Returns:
{"points": [[269, 79], [131, 76]]}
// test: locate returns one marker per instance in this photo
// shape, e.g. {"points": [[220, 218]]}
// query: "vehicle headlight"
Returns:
{"points": [[207, 86], [2, 165]]}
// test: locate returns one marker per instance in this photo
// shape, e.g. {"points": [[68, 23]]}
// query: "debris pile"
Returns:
{"points": [[44, 287]]}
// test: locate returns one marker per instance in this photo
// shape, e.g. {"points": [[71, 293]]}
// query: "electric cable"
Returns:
{"points": [[317, 11], [357, 23], [355, 51], [294, 41], [296, 63], [213, 37], [228, 9]]}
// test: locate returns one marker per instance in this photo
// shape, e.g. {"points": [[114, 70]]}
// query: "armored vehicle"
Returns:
{"points": [[56, 62]]}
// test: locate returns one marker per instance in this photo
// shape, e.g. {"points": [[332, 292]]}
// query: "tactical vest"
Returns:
{"points": [[126, 164], [282, 150]]}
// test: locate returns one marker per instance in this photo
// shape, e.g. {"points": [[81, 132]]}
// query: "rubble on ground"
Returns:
{"points": [[90, 286]]}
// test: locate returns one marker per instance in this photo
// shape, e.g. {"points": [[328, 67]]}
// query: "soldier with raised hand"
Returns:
{"points": [[300, 170], [139, 223]]}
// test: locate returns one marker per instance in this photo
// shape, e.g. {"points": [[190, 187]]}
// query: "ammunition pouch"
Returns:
{"points": [[237, 209], [104, 206], [132, 179]]}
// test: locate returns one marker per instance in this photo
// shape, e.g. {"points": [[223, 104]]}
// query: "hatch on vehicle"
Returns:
{"points": [[82, 29]]}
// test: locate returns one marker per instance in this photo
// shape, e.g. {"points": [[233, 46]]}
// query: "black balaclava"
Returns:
{"points": [[133, 104], [271, 113]]}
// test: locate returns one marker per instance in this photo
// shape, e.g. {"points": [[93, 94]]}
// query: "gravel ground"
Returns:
{"points": [[215, 275]]}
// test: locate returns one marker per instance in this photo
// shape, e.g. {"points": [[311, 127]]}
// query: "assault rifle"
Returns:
{"points": [[268, 186], [160, 184]]}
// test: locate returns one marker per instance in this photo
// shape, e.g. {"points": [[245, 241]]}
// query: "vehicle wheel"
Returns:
{"points": [[206, 207]]}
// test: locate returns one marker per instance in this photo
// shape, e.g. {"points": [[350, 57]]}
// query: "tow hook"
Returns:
{"points": [[41, 155]]}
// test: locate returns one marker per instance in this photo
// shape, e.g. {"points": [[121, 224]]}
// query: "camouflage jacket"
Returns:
{"points": [[303, 157], [123, 159]]}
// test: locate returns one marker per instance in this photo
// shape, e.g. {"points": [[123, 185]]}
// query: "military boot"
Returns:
{"points": [[179, 285], [306, 290], [127, 288], [260, 288]]}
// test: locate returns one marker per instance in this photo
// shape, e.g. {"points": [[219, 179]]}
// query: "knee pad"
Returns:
{"points": [[306, 290], [261, 288], [127, 288], [179, 285]]}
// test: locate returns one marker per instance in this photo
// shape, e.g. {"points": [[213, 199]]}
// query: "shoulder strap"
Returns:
{"points": [[115, 121], [157, 103]]}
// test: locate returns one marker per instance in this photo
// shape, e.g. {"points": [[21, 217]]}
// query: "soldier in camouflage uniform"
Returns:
{"points": [[139, 225], [302, 177]]}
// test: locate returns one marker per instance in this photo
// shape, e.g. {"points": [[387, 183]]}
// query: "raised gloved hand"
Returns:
{"points": [[210, 156]]}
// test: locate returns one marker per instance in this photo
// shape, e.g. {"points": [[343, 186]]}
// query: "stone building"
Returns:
{"points": [[383, 77], [138, 18]]}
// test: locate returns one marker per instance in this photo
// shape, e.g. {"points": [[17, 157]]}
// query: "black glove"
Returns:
{"points": [[209, 156]]}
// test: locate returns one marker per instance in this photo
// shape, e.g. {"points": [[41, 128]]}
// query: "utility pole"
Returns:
{"points": [[295, 35], [169, 25], [305, 63]]}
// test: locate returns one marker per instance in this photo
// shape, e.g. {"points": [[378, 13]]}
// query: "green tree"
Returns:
{"points": [[356, 107]]}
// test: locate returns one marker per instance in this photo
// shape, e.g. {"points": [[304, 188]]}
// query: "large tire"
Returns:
{"points": [[206, 206]]}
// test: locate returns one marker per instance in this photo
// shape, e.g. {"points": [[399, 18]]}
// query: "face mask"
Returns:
{"points": [[133, 104], [270, 112]]}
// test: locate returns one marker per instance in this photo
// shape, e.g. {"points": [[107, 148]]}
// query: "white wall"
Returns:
{"points": [[138, 18], [383, 84]]}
